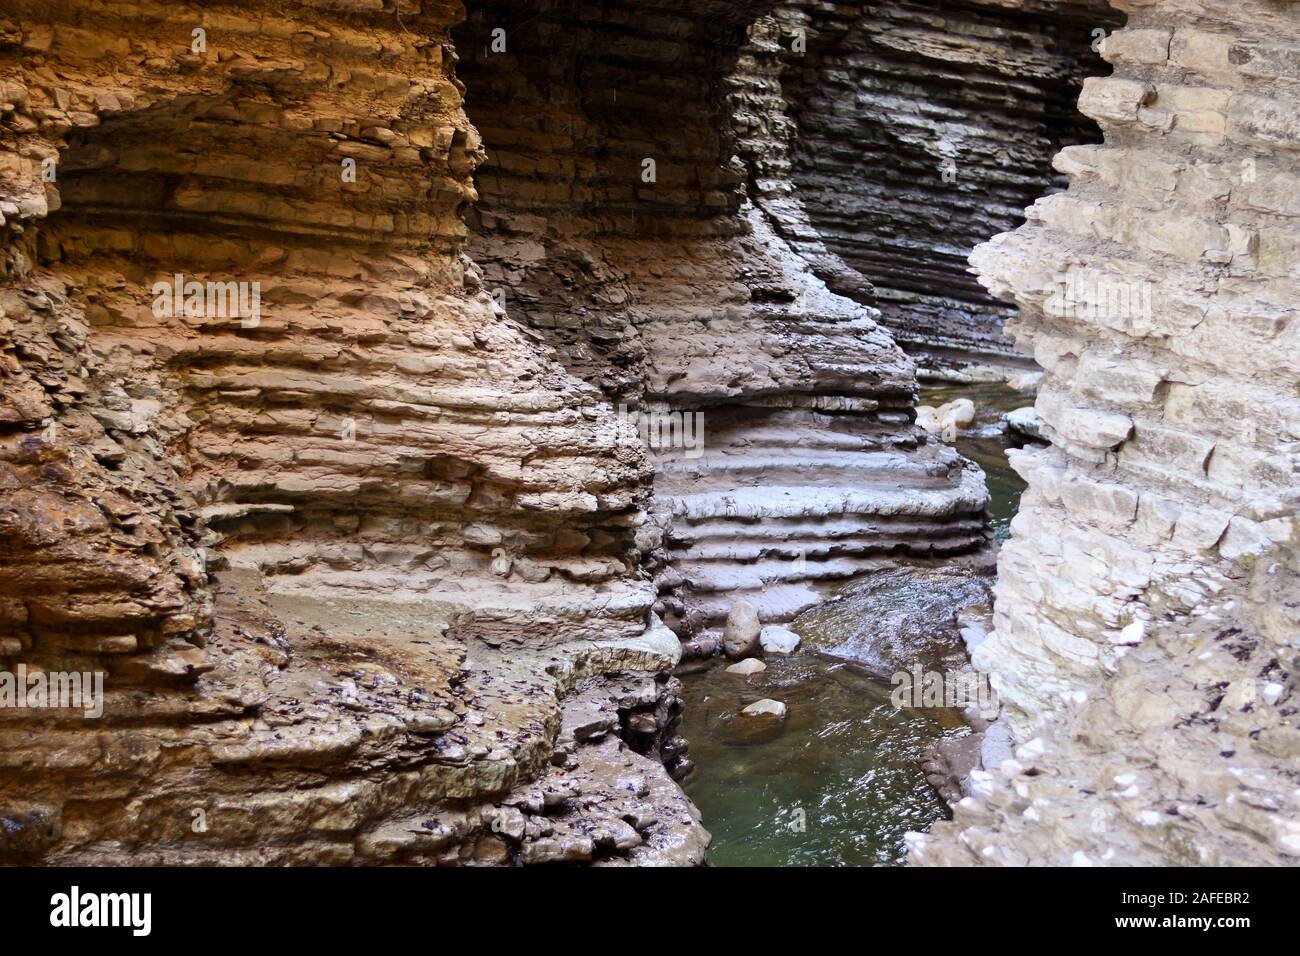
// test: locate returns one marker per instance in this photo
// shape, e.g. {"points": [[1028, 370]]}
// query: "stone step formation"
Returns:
{"points": [[784, 501]]}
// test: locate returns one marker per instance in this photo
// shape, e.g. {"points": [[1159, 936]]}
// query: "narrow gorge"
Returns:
{"points": [[436, 426]]}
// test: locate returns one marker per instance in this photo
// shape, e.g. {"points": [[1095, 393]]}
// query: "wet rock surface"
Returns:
{"points": [[892, 620]]}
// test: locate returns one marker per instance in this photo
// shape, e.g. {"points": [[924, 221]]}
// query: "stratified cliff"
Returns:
{"points": [[359, 535], [387, 390], [341, 544], [915, 130], [1148, 610], [614, 218]]}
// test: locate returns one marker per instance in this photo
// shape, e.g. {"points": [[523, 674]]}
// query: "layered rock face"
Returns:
{"points": [[917, 129], [364, 548], [614, 219], [240, 336], [1147, 606]]}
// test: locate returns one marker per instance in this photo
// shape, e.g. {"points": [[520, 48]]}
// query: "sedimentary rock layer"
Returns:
{"points": [[364, 546], [351, 426], [615, 219], [1146, 612], [914, 130]]}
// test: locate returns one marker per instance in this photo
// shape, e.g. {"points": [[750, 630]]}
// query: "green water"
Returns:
{"points": [[984, 444], [845, 766]]}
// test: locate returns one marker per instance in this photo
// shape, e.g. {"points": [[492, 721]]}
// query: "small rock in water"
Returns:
{"points": [[960, 412], [765, 708], [740, 637], [973, 633], [778, 640], [947, 418], [751, 665], [1025, 421], [928, 418]]}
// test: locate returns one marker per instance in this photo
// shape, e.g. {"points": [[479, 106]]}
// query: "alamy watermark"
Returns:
{"points": [[661, 430], [53, 690], [1089, 294], [133, 911], [918, 688], [225, 300]]}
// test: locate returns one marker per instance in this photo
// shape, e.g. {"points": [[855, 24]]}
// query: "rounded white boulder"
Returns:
{"points": [[778, 640]]}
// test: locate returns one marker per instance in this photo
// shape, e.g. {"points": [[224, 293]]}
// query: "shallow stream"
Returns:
{"points": [[838, 786], [837, 783], [985, 444]]}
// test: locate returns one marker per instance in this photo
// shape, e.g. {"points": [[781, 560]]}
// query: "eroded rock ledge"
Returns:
{"points": [[678, 297], [447, 514], [1147, 607]]}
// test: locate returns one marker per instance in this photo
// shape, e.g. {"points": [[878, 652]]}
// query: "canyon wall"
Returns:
{"points": [[915, 130], [356, 554], [358, 531], [1148, 614], [334, 336], [615, 219]]}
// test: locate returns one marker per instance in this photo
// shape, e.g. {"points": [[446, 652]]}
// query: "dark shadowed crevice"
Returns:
{"points": [[573, 101]]}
